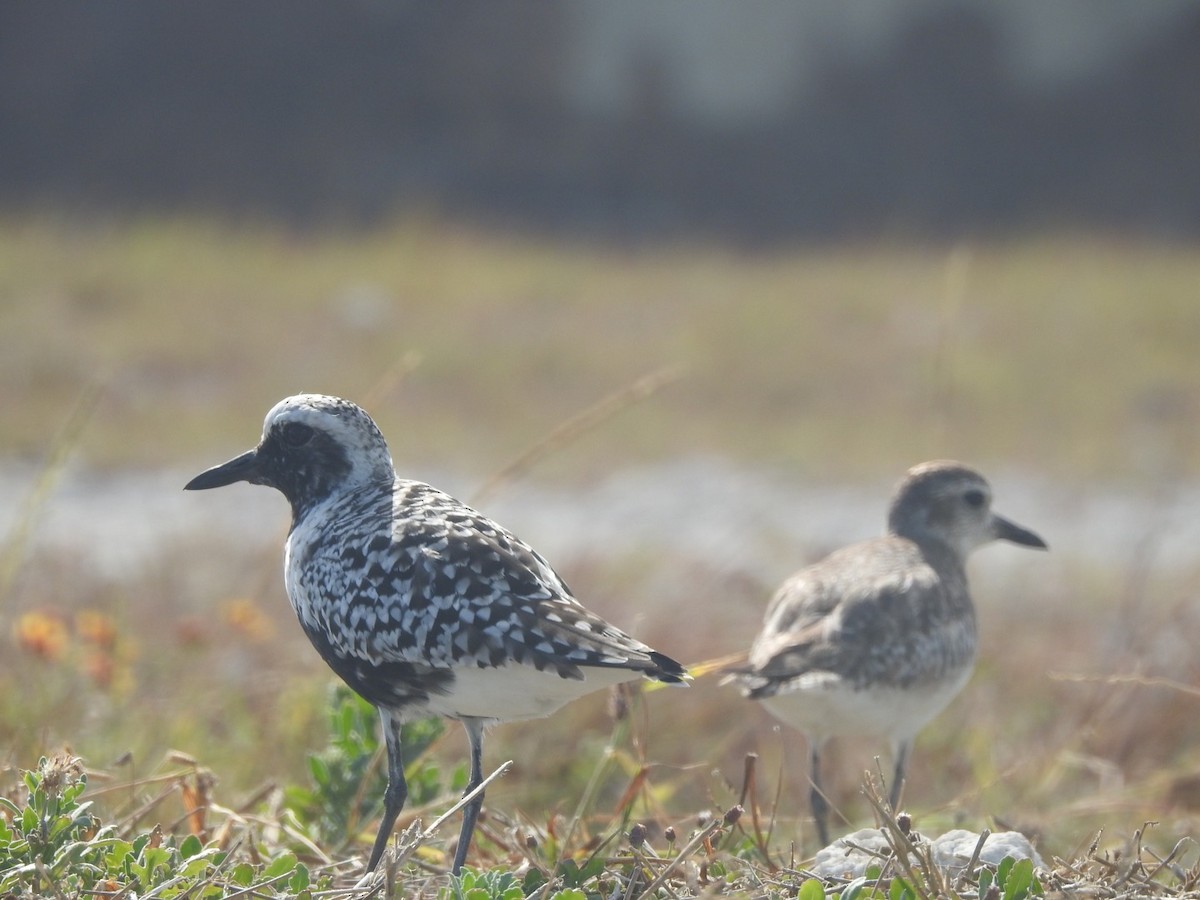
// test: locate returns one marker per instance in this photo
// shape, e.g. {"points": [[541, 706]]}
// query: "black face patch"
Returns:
{"points": [[306, 467]]}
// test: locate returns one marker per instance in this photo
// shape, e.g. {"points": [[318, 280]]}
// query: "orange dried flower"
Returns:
{"points": [[192, 631], [96, 628], [99, 667], [246, 617], [42, 634]]}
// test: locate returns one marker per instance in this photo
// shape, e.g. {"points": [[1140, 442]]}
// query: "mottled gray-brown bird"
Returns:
{"points": [[878, 637]]}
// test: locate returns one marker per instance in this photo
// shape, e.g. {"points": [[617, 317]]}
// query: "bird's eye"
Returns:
{"points": [[974, 499], [294, 434]]}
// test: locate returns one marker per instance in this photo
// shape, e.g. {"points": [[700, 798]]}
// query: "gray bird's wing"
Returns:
{"points": [[873, 612]]}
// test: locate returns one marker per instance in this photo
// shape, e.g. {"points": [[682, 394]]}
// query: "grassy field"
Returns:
{"points": [[1059, 354], [1068, 358]]}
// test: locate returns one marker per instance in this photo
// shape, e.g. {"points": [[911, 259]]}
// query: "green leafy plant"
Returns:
{"points": [[55, 840], [45, 841], [53, 845], [500, 885], [865, 887], [472, 885], [901, 889], [348, 778], [1013, 880]]}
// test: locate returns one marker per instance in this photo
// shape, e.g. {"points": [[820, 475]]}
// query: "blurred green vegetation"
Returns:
{"points": [[1054, 354]]}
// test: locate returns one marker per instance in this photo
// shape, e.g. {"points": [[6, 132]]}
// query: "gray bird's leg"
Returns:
{"points": [[397, 789], [817, 801], [474, 729], [900, 751]]}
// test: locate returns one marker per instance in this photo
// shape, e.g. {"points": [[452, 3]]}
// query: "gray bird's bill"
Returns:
{"points": [[240, 468], [1010, 531]]}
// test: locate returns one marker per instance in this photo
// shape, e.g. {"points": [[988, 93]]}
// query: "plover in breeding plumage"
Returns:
{"points": [[875, 639], [422, 605]]}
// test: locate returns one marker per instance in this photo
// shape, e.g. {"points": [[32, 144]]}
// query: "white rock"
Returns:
{"points": [[850, 856], [841, 860], [954, 848]]}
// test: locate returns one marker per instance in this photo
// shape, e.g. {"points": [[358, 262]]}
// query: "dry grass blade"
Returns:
{"points": [[466, 798], [220, 867], [425, 835], [578, 425], [255, 797], [196, 796], [630, 794], [52, 469], [904, 851], [1134, 679], [131, 820], [593, 785], [1167, 862], [749, 782], [698, 839], [749, 796], [391, 379], [257, 890], [288, 825], [974, 860]]}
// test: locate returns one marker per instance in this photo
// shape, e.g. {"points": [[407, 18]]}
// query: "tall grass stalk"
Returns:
{"points": [[61, 446], [578, 425]]}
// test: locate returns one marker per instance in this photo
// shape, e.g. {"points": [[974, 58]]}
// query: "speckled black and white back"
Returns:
{"points": [[416, 600]]}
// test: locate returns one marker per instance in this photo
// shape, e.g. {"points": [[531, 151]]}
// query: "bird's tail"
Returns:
{"points": [[667, 670]]}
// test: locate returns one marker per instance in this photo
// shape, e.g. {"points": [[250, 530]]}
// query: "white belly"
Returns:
{"points": [[518, 691], [823, 706]]}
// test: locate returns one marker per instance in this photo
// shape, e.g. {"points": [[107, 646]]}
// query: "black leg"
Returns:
{"points": [[474, 729], [901, 752], [397, 789], [820, 806]]}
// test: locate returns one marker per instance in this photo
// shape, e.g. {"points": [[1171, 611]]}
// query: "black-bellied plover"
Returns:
{"points": [[875, 639], [419, 603]]}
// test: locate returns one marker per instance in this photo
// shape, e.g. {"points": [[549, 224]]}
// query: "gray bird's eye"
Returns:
{"points": [[974, 498], [294, 434]]}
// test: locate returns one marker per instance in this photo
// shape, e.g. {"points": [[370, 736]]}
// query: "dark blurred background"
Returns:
{"points": [[751, 121]]}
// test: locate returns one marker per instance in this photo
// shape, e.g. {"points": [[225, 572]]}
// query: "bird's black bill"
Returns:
{"points": [[1010, 531], [240, 468]]}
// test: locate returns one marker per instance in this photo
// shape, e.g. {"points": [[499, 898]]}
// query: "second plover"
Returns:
{"points": [[878, 637], [419, 603]]}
